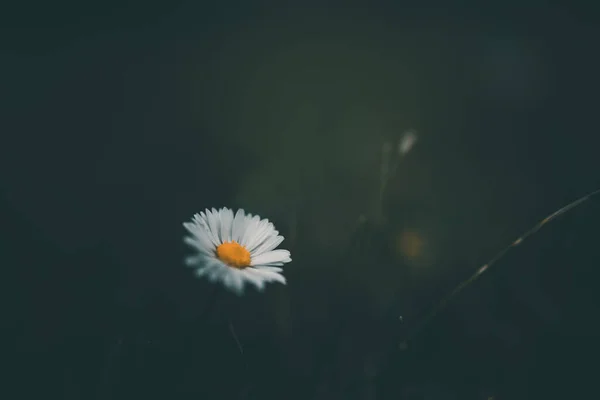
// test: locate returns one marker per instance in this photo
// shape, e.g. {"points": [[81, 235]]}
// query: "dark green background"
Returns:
{"points": [[122, 121]]}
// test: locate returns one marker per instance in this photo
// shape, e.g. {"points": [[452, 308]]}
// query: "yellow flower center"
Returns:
{"points": [[234, 254]]}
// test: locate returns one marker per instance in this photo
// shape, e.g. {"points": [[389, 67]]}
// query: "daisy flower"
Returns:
{"points": [[235, 250]]}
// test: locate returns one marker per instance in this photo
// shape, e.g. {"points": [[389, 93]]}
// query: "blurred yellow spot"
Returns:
{"points": [[410, 244]]}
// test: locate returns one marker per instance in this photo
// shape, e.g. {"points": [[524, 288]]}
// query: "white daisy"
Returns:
{"points": [[235, 249]]}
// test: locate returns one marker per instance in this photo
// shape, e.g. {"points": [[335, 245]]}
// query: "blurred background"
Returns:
{"points": [[123, 120]]}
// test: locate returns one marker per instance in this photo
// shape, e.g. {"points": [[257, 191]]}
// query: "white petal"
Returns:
{"points": [[217, 273], [214, 224], [233, 281], [265, 242], [267, 245], [226, 216], [239, 226], [200, 221], [194, 261], [203, 221], [214, 238], [266, 275], [201, 243], [239, 283], [253, 278], [200, 272], [212, 269], [192, 227], [199, 218], [274, 264], [251, 225], [273, 256], [264, 230], [268, 268], [206, 269]]}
